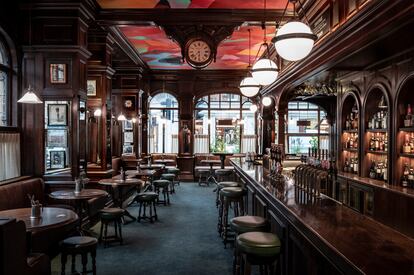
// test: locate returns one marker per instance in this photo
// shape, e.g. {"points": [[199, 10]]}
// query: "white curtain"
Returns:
{"points": [[151, 142], [174, 145], [200, 144], [248, 143], [9, 155]]}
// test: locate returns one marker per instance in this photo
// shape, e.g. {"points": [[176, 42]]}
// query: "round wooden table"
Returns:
{"points": [[152, 166], [222, 157], [118, 183], [51, 218], [211, 162], [79, 200], [164, 161]]}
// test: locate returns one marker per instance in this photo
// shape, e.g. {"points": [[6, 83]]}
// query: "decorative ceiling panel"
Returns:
{"points": [[192, 4], [160, 52]]}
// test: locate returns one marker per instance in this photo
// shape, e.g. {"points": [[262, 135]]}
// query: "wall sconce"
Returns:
{"points": [[97, 113], [121, 117]]}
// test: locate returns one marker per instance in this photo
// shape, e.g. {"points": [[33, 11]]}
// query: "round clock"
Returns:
{"points": [[198, 53]]}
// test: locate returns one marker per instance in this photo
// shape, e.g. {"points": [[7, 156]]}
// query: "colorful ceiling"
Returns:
{"points": [[192, 4], [159, 52]]}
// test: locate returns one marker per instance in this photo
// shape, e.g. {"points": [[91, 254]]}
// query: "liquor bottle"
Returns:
{"points": [[411, 177], [351, 142], [346, 165], [412, 142], [347, 123], [406, 146], [408, 117], [379, 171], [404, 177], [372, 143], [384, 120], [385, 171], [372, 172], [355, 122], [356, 165], [376, 143]]}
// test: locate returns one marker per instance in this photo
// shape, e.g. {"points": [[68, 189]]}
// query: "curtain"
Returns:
{"points": [[174, 147], [151, 141], [201, 144], [9, 155], [248, 143]]}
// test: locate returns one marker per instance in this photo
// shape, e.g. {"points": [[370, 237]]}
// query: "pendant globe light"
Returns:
{"points": [[253, 108], [248, 86], [265, 70], [294, 40], [266, 101]]}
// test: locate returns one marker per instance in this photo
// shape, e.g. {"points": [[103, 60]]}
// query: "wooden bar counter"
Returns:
{"points": [[323, 236]]}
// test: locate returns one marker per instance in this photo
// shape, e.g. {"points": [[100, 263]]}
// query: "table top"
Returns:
{"points": [[222, 154], [344, 231], [210, 161], [116, 181], [51, 218], [143, 172], [152, 166], [85, 194]]}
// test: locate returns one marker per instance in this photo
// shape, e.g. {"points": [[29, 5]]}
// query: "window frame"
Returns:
{"points": [[8, 70], [311, 107]]}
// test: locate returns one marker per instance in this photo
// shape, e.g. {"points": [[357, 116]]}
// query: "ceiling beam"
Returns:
{"points": [[187, 16]]}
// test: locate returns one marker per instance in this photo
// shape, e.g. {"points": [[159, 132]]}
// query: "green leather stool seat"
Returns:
{"points": [[146, 196], [224, 184], [223, 172], [168, 176], [243, 224], [161, 183], [259, 244], [111, 213], [174, 171], [232, 192], [79, 241]]}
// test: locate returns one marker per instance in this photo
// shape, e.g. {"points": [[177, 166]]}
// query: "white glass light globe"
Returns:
{"points": [[97, 113], [266, 101], [249, 87], [121, 117], [253, 108], [264, 71], [297, 47]]}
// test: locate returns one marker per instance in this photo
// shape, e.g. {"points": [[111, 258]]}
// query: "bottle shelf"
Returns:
{"points": [[350, 149], [406, 129], [377, 130], [377, 152], [407, 155], [350, 131]]}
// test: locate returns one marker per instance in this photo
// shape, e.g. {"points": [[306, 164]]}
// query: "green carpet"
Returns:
{"points": [[183, 241]]}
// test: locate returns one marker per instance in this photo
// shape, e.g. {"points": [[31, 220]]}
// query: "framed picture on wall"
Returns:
{"points": [[57, 159], [58, 73], [128, 149], [57, 138], [57, 115], [128, 137], [128, 125], [91, 91]]}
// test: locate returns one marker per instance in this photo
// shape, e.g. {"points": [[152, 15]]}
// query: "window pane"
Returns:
{"points": [[3, 99], [300, 144], [3, 55], [163, 100], [310, 116], [225, 131], [163, 131], [202, 104]]}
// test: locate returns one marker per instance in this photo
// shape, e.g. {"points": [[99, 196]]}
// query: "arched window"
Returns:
{"points": [[306, 128], [4, 84], [224, 123], [163, 124]]}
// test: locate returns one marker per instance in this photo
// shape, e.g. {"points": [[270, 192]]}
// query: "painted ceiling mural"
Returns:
{"points": [[192, 4], [159, 52]]}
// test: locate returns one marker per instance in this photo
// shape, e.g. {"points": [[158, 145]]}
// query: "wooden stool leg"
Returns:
{"points": [[116, 229], [168, 196], [63, 260], [119, 221], [150, 210], [105, 234], [93, 255], [101, 231], [73, 267], [155, 210], [84, 263]]}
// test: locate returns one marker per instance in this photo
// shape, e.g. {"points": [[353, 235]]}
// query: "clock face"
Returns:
{"points": [[199, 52]]}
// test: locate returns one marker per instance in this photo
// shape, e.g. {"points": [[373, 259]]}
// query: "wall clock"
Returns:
{"points": [[198, 53]]}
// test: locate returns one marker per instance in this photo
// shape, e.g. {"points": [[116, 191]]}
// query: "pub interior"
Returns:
{"points": [[207, 137]]}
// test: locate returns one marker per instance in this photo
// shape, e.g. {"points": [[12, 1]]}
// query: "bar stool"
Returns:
{"points": [[258, 248], [244, 224], [162, 186], [232, 196], [111, 215], [79, 245], [221, 185], [147, 199], [170, 178], [203, 173], [223, 174], [176, 172]]}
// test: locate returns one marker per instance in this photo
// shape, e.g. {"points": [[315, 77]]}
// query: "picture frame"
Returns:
{"points": [[57, 138], [91, 87], [57, 115], [128, 125], [128, 149], [57, 159], [58, 73], [128, 137]]}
